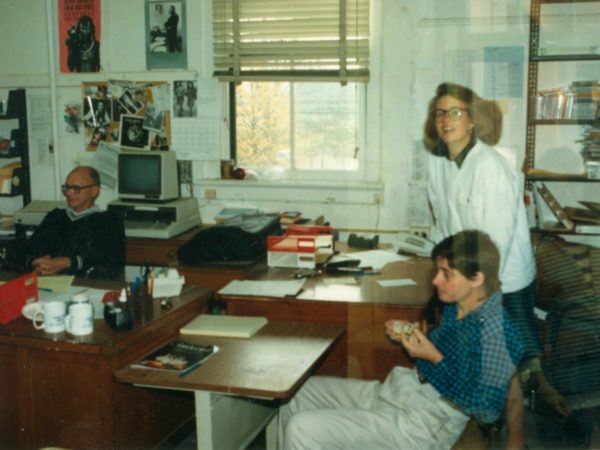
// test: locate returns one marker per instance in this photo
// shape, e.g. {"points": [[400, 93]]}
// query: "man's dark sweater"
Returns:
{"points": [[95, 243]]}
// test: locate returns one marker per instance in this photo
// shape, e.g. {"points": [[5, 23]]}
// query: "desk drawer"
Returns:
{"points": [[140, 253], [159, 252]]}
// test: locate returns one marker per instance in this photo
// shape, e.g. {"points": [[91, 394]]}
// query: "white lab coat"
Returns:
{"points": [[484, 194]]}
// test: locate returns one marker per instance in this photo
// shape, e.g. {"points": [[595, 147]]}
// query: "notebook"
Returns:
{"points": [[224, 325]]}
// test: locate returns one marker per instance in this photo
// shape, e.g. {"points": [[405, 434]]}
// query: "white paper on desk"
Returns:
{"points": [[340, 280], [376, 258], [56, 283], [263, 288], [95, 296], [397, 282]]}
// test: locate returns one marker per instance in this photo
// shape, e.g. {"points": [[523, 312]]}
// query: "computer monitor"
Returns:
{"points": [[148, 175]]}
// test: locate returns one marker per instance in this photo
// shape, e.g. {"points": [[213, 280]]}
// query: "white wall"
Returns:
{"points": [[416, 45]]}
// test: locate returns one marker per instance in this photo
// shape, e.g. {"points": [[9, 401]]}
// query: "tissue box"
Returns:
{"points": [[167, 284]]}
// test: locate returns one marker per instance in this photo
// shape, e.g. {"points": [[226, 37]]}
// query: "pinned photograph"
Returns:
{"points": [[132, 133], [185, 94], [153, 119]]}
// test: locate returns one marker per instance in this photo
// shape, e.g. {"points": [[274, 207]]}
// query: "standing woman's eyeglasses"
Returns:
{"points": [[453, 114]]}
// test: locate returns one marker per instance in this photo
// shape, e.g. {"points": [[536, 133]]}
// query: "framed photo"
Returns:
{"points": [[132, 133], [166, 44]]}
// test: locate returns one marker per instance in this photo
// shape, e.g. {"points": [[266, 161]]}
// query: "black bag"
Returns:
{"points": [[239, 239]]}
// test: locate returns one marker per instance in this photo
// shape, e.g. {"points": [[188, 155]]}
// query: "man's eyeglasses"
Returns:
{"points": [[75, 188], [453, 114]]}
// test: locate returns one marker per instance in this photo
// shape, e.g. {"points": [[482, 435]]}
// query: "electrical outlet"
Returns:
{"points": [[210, 194], [420, 231], [378, 198]]}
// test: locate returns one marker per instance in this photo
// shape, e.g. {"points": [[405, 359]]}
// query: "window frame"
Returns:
{"points": [[326, 176]]}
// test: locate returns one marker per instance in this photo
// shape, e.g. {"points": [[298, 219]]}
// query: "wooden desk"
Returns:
{"points": [[163, 252], [364, 351], [156, 252], [59, 390], [272, 364]]}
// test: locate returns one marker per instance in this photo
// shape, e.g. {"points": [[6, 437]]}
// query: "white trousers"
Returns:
{"points": [[338, 413]]}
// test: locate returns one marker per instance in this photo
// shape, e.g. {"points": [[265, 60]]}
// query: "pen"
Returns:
{"points": [[151, 283], [184, 372], [45, 289]]}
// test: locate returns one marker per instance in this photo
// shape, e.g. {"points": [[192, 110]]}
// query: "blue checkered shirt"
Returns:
{"points": [[481, 351]]}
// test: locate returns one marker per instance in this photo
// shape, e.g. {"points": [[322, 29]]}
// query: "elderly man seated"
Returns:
{"points": [[80, 240]]}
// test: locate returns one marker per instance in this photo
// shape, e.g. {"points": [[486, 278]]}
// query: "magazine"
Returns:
{"points": [[177, 356]]}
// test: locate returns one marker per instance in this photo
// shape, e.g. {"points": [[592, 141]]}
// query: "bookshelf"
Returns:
{"points": [[574, 105], [14, 149]]}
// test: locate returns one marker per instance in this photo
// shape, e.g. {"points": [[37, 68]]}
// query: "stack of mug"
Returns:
{"points": [[54, 316]]}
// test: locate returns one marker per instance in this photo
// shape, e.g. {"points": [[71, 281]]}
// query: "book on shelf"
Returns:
{"points": [[594, 206], [583, 215], [587, 228], [223, 325], [563, 219], [177, 356]]}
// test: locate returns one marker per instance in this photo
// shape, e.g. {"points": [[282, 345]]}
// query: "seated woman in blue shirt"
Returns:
{"points": [[463, 369]]}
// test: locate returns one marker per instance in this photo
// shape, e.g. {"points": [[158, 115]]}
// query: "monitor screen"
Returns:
{"points": [[148, 175]]}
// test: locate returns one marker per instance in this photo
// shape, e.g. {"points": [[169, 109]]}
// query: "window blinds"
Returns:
{"points": [[291, 40]]}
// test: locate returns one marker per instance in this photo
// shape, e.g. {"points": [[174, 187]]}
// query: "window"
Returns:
{"points": [[298, 70], [296, 129], [291, 40]]}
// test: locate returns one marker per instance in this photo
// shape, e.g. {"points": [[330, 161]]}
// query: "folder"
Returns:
{"points": [[10, 178]]}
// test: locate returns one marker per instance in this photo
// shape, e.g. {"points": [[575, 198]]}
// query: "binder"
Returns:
{"points": [[14, 294]]}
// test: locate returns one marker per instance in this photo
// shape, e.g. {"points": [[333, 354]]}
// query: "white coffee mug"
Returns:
{"points": [[78, 299], [80, 320], [51, 318]]}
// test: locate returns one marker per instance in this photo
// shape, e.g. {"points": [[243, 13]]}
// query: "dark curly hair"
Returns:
{"points": [[469, 252]]}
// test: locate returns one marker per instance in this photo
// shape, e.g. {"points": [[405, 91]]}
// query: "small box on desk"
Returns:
{"points": [[300, 247], [14, 294]]}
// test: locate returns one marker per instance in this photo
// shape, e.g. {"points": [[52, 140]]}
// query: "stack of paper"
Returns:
{"points": [[223, 325]]}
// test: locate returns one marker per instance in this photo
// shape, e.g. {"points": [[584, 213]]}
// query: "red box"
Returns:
{"points": [[14, 294], [300, 247]]}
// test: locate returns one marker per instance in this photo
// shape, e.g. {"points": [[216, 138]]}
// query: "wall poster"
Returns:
{"points": [[166, 45], [79, 35]]}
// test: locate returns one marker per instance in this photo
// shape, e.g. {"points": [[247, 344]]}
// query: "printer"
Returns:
{"points": [[160, 220], [33, 214]]}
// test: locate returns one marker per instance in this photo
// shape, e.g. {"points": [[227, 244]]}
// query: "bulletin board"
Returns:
{"points": [[132, 115]]}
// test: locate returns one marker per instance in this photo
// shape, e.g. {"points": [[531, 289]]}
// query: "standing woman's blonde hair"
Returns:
{"points": [[485, 115]]}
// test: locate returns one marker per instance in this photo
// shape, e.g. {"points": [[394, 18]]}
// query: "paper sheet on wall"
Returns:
{"points": [[503, 71], [418, 204], [196, 139]]}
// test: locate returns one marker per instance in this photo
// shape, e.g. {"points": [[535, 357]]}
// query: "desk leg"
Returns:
{"points": [[271, 432], [226, 422]]}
